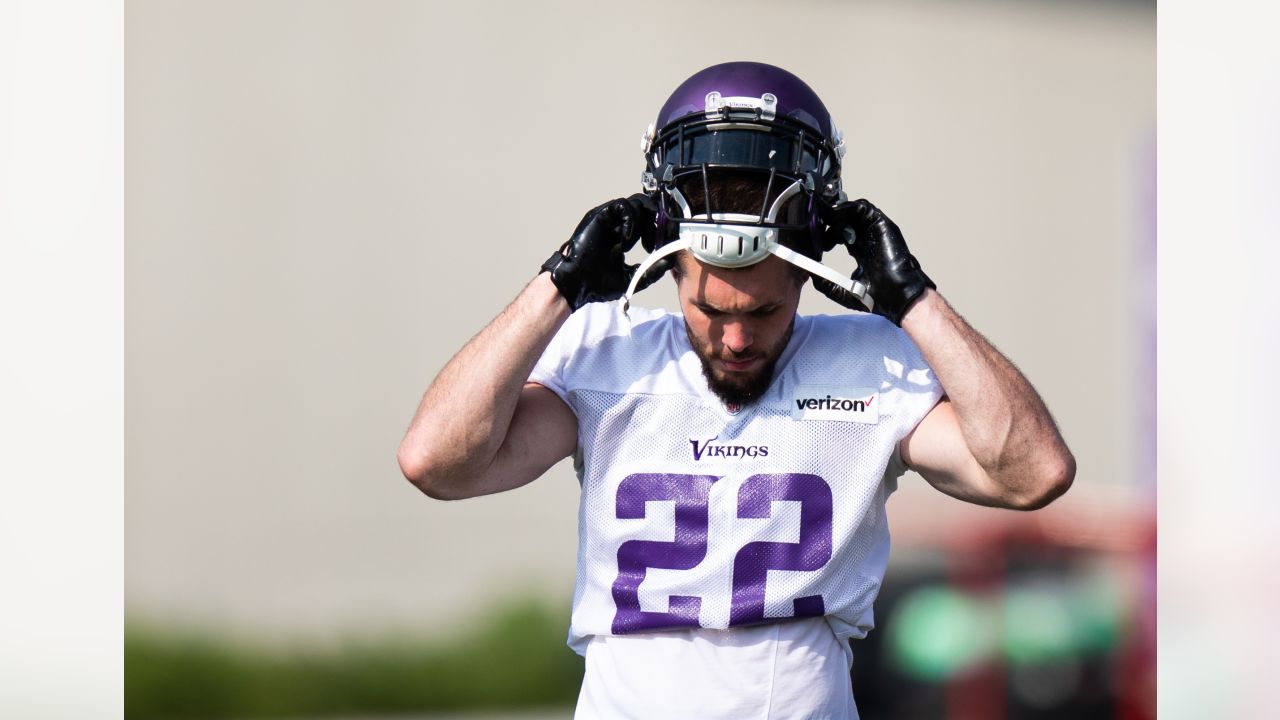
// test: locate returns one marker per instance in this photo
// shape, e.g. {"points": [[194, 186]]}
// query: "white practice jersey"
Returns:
{"points": [[694, 514]]}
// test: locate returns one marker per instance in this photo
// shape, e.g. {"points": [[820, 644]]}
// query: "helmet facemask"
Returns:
{"points": [[730, 215]]}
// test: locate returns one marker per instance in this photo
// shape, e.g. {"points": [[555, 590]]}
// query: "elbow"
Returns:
{"points": [[413, 463], [417, 468], [1052, 480]]}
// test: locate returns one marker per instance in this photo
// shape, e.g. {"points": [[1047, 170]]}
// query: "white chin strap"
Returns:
{"points": [[732, 246]]}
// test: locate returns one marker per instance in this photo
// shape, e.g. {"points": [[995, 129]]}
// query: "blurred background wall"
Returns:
{"points": [[325, 200]]}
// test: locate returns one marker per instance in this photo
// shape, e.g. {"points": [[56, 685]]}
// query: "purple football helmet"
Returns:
{"points": [[745, 120]]}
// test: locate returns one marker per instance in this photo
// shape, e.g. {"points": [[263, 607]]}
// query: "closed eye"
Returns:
{"points": [[760, 312], [708, 310]]}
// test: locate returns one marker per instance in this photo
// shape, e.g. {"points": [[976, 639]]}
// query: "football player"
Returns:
{"points": [[735, 458]]}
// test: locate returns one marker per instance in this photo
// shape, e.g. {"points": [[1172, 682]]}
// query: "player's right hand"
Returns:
{"points": [[590, 267]]}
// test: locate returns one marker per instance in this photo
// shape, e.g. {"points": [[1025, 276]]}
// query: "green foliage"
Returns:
{"points": [[516, 659]]}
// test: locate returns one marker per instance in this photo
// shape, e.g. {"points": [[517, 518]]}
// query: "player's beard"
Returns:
{"points": [[740, 388]]}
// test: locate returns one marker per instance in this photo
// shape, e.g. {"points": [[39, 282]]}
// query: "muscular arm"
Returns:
{"points": [[992, 440], [481, 428]]}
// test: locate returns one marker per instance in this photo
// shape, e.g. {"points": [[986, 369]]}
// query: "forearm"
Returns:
{"points": [[465, 414], [1005, 424]]}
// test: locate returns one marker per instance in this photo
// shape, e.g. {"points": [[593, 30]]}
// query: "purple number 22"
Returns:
{"points": [[750, 565]]}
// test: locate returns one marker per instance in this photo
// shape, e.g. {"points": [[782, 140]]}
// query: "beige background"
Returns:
{"points": [[324, 200]]}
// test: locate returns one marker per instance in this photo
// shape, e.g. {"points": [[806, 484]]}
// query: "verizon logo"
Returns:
{"points": [[830, 403], [845, 404]]}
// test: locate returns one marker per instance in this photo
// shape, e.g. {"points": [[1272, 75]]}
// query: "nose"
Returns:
{"points": [[737, 337]]}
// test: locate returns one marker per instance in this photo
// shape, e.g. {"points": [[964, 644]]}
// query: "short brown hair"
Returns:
{"points": [[739, 191]]}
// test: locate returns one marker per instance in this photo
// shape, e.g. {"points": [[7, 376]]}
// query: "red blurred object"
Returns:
{"points": [[978, 543]]}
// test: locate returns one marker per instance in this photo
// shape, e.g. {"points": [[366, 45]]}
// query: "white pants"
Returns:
{"points": [[794, 669]]}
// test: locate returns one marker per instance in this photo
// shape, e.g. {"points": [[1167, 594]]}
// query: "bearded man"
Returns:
{"points": [[734, 458]]}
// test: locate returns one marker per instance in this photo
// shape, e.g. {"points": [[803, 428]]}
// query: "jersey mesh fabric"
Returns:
{"points": [[779, 671], [693, 516]]}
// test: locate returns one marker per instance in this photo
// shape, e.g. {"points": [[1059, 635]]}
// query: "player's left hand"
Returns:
{"points": [[891, 273]]}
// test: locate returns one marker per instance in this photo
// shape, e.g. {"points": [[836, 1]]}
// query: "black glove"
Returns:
{"points": [[892, 275], [590, 267]]}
